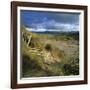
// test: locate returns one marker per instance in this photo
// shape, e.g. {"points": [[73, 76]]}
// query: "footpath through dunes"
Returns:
{"points": [[68, 47]]}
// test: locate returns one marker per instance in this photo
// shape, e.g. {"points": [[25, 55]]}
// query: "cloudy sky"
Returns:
{"points": [[49, 21]]}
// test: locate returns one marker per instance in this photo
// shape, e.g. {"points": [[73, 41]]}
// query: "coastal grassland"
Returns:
{"points": [[45, 54]]}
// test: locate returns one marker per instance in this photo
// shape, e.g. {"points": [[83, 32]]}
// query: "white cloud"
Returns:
{"points": [[36, 30], [67, 27], [52, 25]]}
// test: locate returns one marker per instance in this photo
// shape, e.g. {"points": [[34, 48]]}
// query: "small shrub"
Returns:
{"points": [[48, 47], [72, 67]]}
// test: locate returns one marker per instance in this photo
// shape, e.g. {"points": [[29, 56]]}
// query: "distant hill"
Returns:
{"points": [[59, 32]]}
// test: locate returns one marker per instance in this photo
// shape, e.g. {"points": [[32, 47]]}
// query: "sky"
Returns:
{"points": [[40, 21]]}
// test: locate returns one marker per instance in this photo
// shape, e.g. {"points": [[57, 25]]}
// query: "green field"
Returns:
{"points": [[49, 54]]}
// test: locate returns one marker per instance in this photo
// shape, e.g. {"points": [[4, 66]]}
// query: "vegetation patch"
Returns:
{"points": [[49, 54]]}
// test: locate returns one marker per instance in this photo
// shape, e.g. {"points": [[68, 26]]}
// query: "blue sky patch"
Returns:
{"points": [[49, 21]]}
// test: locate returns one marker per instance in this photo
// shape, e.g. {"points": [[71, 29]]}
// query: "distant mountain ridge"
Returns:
{"points": [[57, 32]]}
